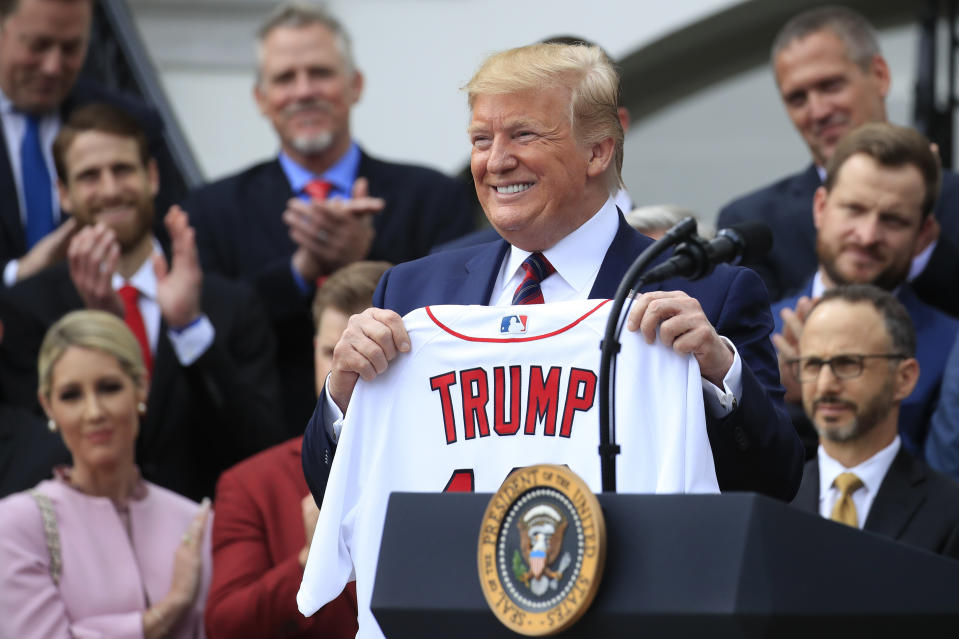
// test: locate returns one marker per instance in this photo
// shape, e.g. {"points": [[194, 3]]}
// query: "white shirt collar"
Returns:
{"points": [[577, 257], [818, 286], [144, 280], [871, 472]]}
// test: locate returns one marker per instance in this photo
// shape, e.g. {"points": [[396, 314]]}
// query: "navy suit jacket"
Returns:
{"points": [[240, 234], [13, 243], [786, 206], [914, 505], [755, 447], [935, 334], [201, 418]]}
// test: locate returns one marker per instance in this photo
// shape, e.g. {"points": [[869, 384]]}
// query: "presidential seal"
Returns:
{"points": [[542, 547]]}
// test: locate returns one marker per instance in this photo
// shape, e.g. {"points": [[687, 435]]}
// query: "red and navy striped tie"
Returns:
{"points": [[537, 269]]}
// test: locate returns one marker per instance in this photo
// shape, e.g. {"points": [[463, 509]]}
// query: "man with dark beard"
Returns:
{"points": [[870, 215], [856, 366]]}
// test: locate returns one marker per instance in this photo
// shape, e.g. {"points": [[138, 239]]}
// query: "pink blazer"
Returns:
{"points": [[106, 576]]}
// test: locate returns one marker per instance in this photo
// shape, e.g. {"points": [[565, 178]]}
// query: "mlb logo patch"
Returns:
{"points": [[513, 324]]}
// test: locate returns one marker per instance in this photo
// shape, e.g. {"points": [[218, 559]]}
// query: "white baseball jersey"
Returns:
{"points": [[485, 390]]}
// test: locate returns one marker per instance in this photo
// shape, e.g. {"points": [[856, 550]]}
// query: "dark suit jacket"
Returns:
{"points": [[914, 505], [240, 234], [28, 450], [935, 334], [13, 243], [755, 447], [257, 536], [200, 419], [786, 206]]}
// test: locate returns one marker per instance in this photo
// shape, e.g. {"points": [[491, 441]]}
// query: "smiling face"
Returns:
{"points": [[868, 225], [94, 403], [107, 182], [825, 93], [535, 181], [306, 89], [42, 47]]}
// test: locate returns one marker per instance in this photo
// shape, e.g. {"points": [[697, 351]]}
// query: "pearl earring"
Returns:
{"points": [[142, 408], [52, 425]]}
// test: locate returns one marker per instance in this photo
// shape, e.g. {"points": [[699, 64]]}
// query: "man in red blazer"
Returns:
{"points": [[265, 514]]}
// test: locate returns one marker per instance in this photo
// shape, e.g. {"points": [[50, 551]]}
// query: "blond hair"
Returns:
{"points": [[96, 330], [583, 70]]}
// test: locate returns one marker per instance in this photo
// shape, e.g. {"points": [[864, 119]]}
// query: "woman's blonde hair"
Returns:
{"points": [[96, 330]]}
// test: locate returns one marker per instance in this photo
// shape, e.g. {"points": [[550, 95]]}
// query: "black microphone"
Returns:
{"points": [[696, 258]]}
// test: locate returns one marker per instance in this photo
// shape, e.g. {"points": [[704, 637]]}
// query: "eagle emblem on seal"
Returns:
{"points": [[541, 531]]}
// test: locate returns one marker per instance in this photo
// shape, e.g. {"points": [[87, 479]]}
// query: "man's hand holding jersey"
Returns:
{"points": [[373, 338]]}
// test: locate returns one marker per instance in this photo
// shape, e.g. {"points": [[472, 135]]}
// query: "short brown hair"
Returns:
{"points": [[892, 147], [101, 117], [349, 289]]}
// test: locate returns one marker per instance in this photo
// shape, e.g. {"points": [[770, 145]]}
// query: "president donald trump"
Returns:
{"points": [[547, 151]]}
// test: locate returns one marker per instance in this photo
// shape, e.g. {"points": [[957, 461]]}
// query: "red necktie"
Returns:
{"points": [[317, 189], [131, 314], [537, 269]]}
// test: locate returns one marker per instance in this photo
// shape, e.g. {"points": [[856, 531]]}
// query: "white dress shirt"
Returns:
{"points": [[189, 342], [871, 472], [14, 128]]}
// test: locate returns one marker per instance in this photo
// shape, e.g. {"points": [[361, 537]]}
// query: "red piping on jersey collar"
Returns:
{"points": [[512, 339]]}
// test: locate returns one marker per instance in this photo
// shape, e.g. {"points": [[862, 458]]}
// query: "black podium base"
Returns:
{"points": [[737, 565]]}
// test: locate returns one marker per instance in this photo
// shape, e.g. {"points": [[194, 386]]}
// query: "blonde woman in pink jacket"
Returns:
{"points": [[97, 551]]}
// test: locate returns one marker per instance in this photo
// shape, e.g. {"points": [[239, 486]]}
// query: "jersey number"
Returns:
{"points": [[461, 481]]}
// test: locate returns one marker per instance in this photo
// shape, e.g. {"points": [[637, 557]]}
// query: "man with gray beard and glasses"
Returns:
{"points": [[856, 364], [285, 224]]}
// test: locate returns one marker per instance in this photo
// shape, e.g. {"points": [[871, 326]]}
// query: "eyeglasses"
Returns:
{"points": [[845, 366]]}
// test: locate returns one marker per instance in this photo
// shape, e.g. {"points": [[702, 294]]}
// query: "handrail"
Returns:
{"points": [[119, 59]]}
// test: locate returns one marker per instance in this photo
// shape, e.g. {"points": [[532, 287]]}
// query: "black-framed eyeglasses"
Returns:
{"points": [[844, 366]]}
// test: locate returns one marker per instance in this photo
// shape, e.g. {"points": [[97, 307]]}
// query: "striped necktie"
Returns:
{"points": [[537, 269]]}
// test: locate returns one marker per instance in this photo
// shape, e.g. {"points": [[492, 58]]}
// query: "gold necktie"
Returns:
{"points": [[845, 509]]}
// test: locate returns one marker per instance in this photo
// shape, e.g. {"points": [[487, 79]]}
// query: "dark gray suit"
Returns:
{"points": [[914, 505]]}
